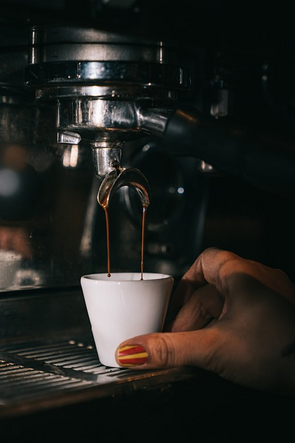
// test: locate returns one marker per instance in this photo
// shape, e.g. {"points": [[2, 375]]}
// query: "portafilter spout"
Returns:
{"points": [[120, 177], [106, 157]]}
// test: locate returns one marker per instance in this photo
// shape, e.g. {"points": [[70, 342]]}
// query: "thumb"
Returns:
{"points": [[158, 350]]}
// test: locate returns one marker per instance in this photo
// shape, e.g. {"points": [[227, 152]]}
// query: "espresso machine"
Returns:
{"points": [[96, 104], [124, 105]]}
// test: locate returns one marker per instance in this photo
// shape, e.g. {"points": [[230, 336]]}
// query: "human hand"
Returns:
{"points": [[234, 317]]}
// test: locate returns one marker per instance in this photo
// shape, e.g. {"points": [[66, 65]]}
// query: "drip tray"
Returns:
{"points": [[54, 388], [40, 375], [48, 360]]}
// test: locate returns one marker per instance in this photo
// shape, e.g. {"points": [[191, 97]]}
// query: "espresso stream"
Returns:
{"points": [[105, 207]]}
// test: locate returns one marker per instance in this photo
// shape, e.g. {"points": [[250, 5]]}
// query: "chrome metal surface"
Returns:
{"points": [[106, 157], [124, 177], [99, 81], [73, 43], [104, 73], [152, 121], [94, 118]]}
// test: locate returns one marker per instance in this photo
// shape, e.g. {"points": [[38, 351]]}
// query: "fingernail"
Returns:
{"points": [[134, 355]]}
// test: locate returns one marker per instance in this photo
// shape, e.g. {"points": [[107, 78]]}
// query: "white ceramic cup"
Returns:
{"points": [[123, 306]]}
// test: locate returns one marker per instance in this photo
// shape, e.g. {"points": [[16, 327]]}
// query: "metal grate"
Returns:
{"points": [[32, 370], [41, 375], [18, 382]]}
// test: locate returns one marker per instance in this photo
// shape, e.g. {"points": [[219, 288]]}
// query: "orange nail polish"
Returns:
{"points": [[134, 355]]}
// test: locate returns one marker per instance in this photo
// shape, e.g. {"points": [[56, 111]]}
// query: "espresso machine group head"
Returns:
{"points": [[109, 88]]}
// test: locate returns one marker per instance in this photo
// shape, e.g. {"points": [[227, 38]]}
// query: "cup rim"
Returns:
{"points": [[127, 277]]}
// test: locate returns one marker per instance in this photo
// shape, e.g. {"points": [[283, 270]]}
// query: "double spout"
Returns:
{"points": [[106, 160]]}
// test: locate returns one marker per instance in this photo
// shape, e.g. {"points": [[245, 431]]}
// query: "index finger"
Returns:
{"points": [[213, 266], [219, 268], [203, 271]]}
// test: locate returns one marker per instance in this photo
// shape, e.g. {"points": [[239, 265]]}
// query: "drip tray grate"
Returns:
{"points": [[29, 372], [41, 375]]}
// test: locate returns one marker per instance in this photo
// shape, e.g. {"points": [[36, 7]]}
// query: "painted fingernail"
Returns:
{"points": [[134, 355]]}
